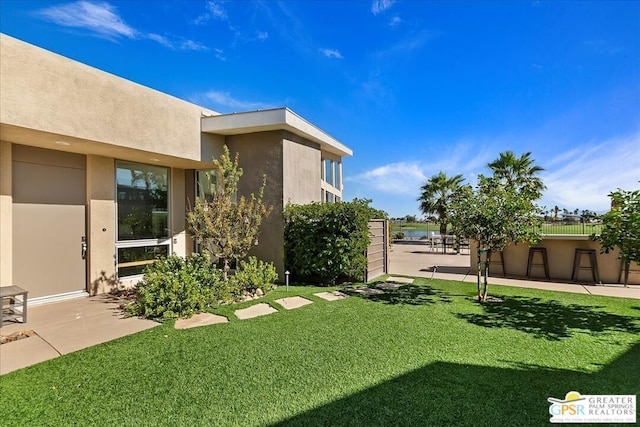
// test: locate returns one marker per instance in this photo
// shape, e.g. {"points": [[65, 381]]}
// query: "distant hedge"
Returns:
{"points": [[327, 241]]}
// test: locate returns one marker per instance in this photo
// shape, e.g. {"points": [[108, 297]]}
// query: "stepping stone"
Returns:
{"points": [[400, 279], [261, 309], [369, 291], [290, 303], [331, 296], [388, 286], [201, 319]]}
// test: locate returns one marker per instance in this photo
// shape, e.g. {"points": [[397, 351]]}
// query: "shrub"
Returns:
{"points": [[399, 235], [254, 274], [327, 240], [177, 287]]}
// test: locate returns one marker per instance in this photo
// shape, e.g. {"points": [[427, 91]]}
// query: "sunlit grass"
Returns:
{"points": [[423, 355]]}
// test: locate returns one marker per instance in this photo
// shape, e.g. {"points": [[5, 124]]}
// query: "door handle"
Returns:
{"points": [[84, 247]]}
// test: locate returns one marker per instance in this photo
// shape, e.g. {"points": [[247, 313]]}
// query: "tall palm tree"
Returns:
{"points": [[520, 172], [436, 195]]}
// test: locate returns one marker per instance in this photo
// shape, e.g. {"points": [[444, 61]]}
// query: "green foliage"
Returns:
{"points": [[398, 235], [225, 227], [327, 240], [621, 228], [254, 274], [519, 172], [436, 196], [495, 215], [177, 287]]}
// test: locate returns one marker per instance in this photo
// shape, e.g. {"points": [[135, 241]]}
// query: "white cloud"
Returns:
{"points": [[407, 45], [175, 43], [214, 9], [379, 6], [395, 178], [395, 21], [102, 20], [583, 177], [331, 53], [225, 102]]}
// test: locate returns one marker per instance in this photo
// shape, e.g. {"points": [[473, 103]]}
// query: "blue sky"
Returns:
{"points": [[412, 87]]}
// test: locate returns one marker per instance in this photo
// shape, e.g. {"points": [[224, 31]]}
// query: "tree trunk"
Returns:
{"points": [[479, 269], [626, 274], [486, 273], [443, 233]]}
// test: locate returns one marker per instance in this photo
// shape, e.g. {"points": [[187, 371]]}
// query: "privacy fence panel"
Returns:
{"points": [[378, 250]]}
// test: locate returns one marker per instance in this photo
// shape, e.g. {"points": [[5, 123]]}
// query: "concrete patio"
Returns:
{"points": [[65, 327], [417, 260]]}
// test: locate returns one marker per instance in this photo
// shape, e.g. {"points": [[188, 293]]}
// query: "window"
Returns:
{"points": [[206, 184], [143, 232]]}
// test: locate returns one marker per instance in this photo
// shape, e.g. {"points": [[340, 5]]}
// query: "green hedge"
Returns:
{"points": [[327, 241]]}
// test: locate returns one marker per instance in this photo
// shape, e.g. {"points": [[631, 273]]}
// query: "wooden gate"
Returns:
{"points": [[378, 250]]}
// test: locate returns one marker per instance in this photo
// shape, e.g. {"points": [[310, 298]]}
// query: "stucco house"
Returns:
{"points": [[97, 172]]}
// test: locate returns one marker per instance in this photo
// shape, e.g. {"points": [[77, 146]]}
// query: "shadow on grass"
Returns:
{"points": [[448, 269], [408, 294], [468, 395], [549, 319]]}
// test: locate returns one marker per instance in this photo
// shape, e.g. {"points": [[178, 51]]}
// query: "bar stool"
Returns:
{"points": [[501, 262], [544, 263], [593, 264]]}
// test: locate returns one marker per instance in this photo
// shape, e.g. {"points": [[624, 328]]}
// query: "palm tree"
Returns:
{"points": [[436, 195], [520, 172]]}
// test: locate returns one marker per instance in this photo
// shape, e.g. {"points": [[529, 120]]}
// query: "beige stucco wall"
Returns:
{"points": [[45, 92], [560, 254], [178, 212], [6, 243], [301, 176], [101, 224], [261, 154]]}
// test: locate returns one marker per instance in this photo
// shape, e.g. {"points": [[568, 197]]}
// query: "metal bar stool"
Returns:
{"points": [[544, 263], [501, 262], [593, 264]]}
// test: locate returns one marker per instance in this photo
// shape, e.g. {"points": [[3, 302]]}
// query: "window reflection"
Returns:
{"points": [[143, 204]]}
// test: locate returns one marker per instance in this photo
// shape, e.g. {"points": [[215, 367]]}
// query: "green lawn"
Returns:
{"points": [[423, 355]]}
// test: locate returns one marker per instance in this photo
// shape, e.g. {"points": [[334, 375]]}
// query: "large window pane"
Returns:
{"points": [[132, 261], [143, 203]]}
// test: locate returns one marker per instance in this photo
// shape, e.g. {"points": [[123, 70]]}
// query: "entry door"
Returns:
{"points": [[48, 221]]}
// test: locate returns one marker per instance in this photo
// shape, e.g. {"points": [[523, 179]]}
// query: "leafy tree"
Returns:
{"points": [[519, 172], [621, 228], [495, 214], [225, 227], [410, 218], [436, 196]]}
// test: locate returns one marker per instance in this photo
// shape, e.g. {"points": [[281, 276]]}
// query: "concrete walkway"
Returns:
{"points": [[65, 327], [417, 261]]}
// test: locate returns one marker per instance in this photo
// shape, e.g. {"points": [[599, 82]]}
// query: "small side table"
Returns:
{"points": [[17, 303]]}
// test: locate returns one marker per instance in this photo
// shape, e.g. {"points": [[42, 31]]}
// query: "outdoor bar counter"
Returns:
{"points": [[561, 258]]}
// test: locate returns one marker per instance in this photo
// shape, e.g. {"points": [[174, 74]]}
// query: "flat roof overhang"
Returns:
{"points": [[275, 119], [53, 141]]}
